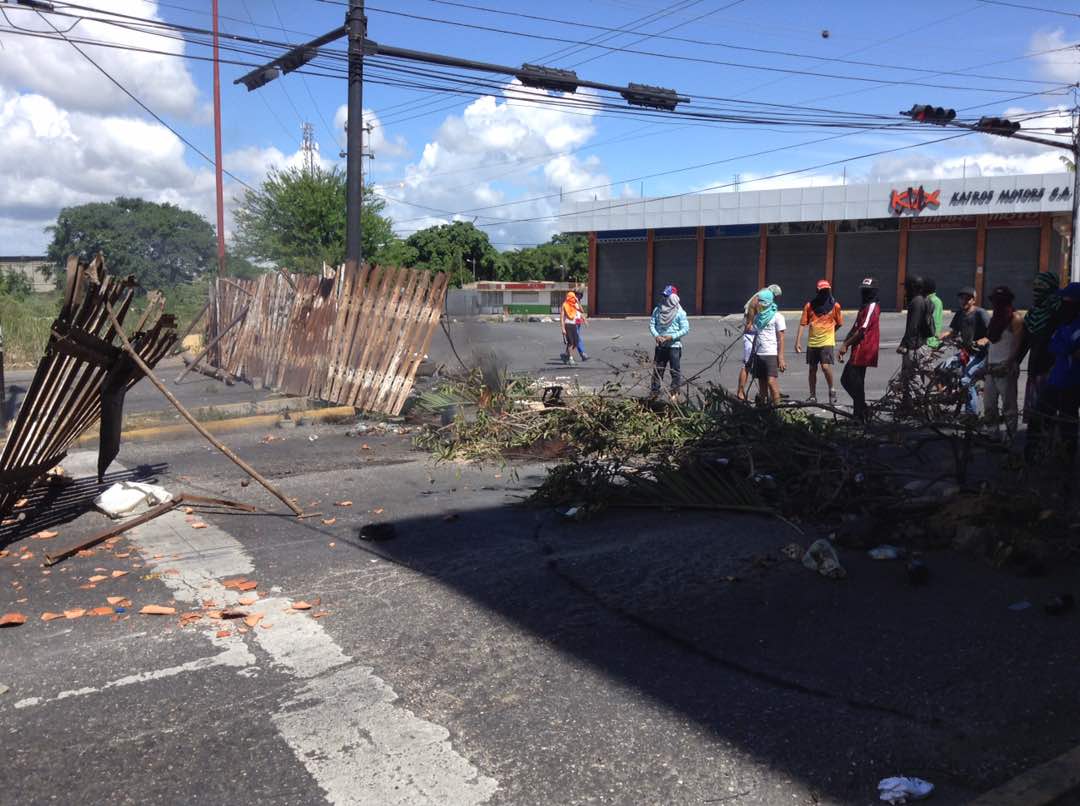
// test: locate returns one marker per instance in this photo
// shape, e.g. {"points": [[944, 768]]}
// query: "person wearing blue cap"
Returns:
{"points": [[1060, 399], [667, 326]]}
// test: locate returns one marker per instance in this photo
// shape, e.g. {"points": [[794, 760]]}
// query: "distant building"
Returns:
{"points": [[719, 248], [38, 270], [540, 298]]}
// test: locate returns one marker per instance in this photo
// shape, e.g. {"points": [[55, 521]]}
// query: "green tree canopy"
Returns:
{"points": [[457, 249], [161, 244], [564, 258], [296, 220]]}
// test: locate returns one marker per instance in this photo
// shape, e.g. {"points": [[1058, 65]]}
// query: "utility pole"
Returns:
{"points": [[354, 135], [217, 149], [1001, 127], [355, 29]]}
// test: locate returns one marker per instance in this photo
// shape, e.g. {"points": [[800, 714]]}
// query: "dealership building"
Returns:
{"points": [[719, 248]]}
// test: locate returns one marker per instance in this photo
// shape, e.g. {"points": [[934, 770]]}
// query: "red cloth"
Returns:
{"points": [[865, 353]]}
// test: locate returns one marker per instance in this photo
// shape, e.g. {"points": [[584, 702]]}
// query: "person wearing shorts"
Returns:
{"points": [[750, 310], [823, 316], [767, 354]]}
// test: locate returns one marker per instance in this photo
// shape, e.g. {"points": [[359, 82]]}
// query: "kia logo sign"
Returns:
{"points": [[913, 200]]}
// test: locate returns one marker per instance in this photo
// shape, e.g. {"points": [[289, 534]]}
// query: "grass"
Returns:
{"points": [[27, 320]]}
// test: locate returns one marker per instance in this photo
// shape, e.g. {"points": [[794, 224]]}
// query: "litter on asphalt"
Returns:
{"points": [[127, 497], [901, 789]]}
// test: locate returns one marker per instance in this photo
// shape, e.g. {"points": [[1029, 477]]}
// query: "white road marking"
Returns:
{"points": [[235, 655], [344, 724]]}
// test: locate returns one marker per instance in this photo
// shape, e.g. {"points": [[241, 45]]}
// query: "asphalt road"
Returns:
{"points": [[615, 346], [491, 653]]}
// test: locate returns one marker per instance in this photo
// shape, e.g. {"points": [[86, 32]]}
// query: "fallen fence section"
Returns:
{"points": [[82, 377], [355, 337]]}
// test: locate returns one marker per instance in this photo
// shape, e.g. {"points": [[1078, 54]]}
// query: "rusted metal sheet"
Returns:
{"points": [[82, 377], [353, 337]]}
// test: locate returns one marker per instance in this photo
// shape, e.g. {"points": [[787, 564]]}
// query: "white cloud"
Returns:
{"points": [[1064, 65], [376, 142], [54, 69], [467, 165]]}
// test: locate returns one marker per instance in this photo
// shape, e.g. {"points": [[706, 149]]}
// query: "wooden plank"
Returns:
{"points": [[368, 327], [411, 308], [389, 335], [433, 310]]}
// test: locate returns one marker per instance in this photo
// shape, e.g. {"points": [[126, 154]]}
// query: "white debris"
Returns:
{"points": [[901, 789], [128, 497]]}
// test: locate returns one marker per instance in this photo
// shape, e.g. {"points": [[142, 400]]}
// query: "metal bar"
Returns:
{"points": [[208, 347], [195, 423]]}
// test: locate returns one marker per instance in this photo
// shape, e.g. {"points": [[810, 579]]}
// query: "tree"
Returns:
{"points": [[161, 244], [296, 220], [459, 249], [565, 258]]}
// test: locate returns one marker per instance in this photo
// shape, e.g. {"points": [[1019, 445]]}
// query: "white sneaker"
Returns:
{"points": [[832, 397]]}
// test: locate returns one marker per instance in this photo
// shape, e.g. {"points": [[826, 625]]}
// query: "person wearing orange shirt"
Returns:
{"points": [[823, 316]]}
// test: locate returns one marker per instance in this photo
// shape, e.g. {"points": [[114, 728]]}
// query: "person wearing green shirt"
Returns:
{"points": [[937, 311]]}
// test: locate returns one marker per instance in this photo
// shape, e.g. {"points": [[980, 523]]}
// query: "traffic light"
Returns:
{"points": [[1001, 126], [924, 113]]}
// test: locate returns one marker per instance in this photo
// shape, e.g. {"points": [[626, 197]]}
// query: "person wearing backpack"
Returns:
{"points": [[970, 327]]}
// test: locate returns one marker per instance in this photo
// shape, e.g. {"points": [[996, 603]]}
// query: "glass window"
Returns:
{"points": [[798, 228]]}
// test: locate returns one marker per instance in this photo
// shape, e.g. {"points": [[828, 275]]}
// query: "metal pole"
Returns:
{"points": [[354, 169], [1074, 253], [217, 148]]}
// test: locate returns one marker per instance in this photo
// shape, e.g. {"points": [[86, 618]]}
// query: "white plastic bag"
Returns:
{"points": [[127, 497]]}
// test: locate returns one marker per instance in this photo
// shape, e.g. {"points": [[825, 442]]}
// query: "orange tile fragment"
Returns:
{"points": [[157, 610], [12, 619]]}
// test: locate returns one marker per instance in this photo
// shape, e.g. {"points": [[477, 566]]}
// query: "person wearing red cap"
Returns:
{"points": [[823, 316]]}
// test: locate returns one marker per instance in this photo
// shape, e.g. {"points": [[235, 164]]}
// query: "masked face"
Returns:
{"points": [[966, 302]]}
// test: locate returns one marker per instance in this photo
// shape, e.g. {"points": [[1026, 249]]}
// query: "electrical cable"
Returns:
{"points": [[146, 108]]}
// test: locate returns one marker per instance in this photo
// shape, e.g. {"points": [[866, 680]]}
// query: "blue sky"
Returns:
{"points": [[71, 137]]}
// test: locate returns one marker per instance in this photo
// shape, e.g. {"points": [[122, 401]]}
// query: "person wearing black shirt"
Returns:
{"points": [[970, 326], [913, 345]]}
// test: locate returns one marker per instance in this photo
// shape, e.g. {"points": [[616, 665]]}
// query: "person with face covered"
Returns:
{"points": [[668, 326], [823, 316], [1059, 403], [863, 340], [750, 311], [1006, 335], [1039, 326]]}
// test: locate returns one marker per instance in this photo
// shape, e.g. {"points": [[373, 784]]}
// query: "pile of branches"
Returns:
{"points": [[713, 452]]}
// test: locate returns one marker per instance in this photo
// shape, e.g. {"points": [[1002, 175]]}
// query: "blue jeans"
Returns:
{"points": [[969, 375]]}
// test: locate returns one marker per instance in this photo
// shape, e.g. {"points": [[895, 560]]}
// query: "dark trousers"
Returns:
{"points": [[570, 338], [665, 356], [1058, 408], [854, 382]]}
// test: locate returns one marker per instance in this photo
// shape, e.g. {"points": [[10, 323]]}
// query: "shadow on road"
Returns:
{"points": [[836, 683], [56, 503]]}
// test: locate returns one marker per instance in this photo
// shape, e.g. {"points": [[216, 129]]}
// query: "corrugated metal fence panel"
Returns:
{"points": [[620, 277], [947, 255], [795, 263], [865, 254], [675, 263], [355, 338], [1012, 259], [731, 272]]}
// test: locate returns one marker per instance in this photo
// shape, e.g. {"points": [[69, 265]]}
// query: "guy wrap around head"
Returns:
{"points": [[766, 309], [669, 308]]}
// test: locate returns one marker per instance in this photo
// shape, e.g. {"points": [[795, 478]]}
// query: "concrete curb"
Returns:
{"points": [[164, 432], [1040, 786]]}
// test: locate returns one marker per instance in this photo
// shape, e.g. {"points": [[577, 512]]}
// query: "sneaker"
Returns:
{"points": [[832, 397], [584, 357], [570, 360], [811, 399]]}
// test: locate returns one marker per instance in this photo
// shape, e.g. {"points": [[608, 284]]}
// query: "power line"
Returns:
{"points": [[678, 57], [146, 108], [730, 46], [1032, 8]]}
